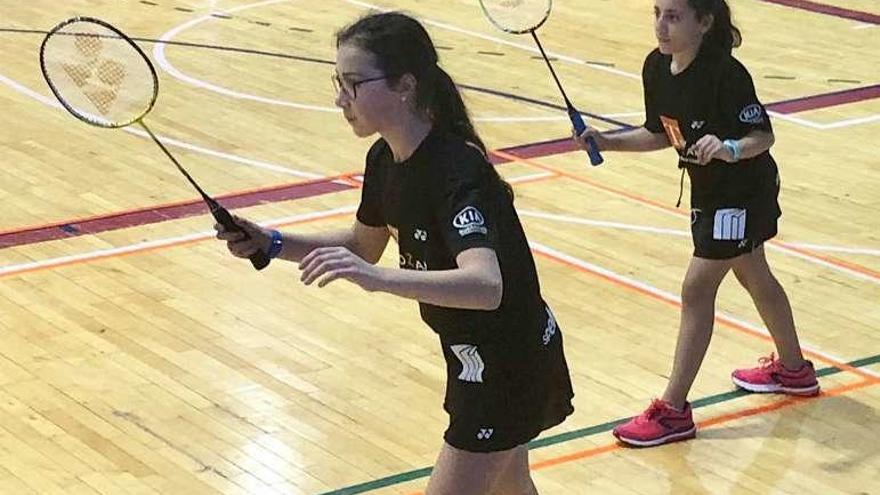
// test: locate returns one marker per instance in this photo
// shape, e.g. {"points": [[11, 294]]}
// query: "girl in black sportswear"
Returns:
{"points": [[700, 100], [463, 254]]}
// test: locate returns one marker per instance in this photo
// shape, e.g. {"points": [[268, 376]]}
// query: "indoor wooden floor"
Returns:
{"points": [[137, 356]]}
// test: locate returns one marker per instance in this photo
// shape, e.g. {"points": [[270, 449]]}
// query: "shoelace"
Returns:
{"points": [[768, 362], [657, 406]]}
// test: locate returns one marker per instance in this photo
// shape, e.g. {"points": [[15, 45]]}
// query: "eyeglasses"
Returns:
{"points": [[350, 87]]}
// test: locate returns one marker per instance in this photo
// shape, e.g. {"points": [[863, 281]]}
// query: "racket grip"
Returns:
{"points": [[579, 126], [259, 259]]}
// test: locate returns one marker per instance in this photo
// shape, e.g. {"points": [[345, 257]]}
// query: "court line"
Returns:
{"points": [[830, 10], [167, 140], [852, 269], [141, 247], [188, 44], [826, 100], [100, 254], [678, 232], [608, 426], [162, 60], [96, 224], [675, 301]]}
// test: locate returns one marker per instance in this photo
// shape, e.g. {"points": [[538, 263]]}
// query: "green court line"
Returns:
{"points": [[581, 433]]}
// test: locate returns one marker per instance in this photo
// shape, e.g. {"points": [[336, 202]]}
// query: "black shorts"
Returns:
{"points": [[728, 231], [501, 394]]}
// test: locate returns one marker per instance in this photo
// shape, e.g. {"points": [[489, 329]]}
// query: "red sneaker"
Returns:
{"points": [[773, 377], [659, 424]]}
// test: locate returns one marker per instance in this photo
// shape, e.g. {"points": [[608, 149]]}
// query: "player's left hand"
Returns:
{"points": [[327, 264], [708, 148]]}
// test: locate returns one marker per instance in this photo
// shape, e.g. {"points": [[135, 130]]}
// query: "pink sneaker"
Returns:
{"points": [[772, 377], [659, 424]]}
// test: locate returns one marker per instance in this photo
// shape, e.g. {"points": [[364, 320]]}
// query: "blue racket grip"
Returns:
{"points": [[259, 259], [578, 122]]}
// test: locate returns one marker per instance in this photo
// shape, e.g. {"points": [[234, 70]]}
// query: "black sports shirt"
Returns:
{"points": [[713, 95], [444, 199]]}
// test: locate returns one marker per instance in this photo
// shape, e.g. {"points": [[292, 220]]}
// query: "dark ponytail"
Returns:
{"points": [[401, 46], [723, 36]]}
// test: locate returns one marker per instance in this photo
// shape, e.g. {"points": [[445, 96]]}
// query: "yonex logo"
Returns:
{"points": [[469, 221], [420, 235], [752, 114], [99, 79], [485, 433]]}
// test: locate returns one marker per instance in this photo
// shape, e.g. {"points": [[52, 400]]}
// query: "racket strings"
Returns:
{"points": [[99, 75], [517, 16]]}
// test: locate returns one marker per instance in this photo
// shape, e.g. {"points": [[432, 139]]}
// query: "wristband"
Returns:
{"points": [[733, 147], [276, 245]]}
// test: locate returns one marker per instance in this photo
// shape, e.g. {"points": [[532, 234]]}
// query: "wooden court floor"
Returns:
{"points": [[138, 357]]}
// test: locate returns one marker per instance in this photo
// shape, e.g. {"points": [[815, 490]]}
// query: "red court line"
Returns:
{"points": [[821, 8], [147, 249], [170, 211], [182, 242], [826, 100]]}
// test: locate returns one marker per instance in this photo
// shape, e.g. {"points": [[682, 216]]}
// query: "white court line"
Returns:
{"points": [[668, 296], [553, 118], [771, 244], [851, 122], [836, 249], [522, 46], [148, 245], [682, 233], [159, 54], [524, 178], [167, 140], [825, 126], [162, 60], [600, 223]]}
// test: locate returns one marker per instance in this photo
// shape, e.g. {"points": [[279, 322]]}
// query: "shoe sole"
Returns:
{"points": [[775, 388], [674, 437]]}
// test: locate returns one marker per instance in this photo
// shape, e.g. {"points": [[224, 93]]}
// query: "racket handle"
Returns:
{"points": [[259, 259], [579, 126]]}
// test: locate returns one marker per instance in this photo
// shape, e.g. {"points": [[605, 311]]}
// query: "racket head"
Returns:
{"points": [[517, 16], [98, 73]]}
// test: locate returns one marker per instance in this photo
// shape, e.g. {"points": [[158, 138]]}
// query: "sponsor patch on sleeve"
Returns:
{"points": [[752, 114], [469, 221]]}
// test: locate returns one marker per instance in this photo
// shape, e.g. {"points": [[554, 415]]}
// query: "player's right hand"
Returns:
{"points": [[244, 243], [590, 132]]}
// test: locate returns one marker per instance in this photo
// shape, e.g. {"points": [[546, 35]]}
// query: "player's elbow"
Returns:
{"points": [[493, 293]]}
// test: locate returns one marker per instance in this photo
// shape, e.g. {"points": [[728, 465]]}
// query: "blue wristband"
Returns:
{"points": [[276, 245], [733, 147]]}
